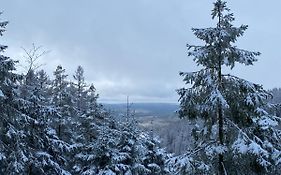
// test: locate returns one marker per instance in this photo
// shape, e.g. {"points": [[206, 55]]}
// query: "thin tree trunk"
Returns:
{"points": [[220, 112], [59, 131], [220, 118], [220, 121]]}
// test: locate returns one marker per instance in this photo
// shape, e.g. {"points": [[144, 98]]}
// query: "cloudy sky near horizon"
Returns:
{"points": [[136, 48]]}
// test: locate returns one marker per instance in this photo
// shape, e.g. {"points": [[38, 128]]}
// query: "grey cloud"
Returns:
{"points": [[137, 47]]}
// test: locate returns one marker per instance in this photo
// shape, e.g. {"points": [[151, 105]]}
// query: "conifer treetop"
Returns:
{"points": [[219, 40]]}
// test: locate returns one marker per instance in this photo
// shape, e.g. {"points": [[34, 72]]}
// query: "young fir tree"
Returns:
{"points": [[154, 157], [87, 124], [93, 108], [61, 99], [138, 152], [131, 147], [94, 156], [234, 134], [80, 86], [43, 85], [45, 148]]}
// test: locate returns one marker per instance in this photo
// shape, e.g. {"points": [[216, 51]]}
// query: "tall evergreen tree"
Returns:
{"points": [[236, 130], [80, 89], [61, 99], [44, 84], [11, 149], [41, 142], [93, 108]]}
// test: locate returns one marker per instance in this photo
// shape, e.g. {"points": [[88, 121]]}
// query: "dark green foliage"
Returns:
{"points": [[234, 129]]}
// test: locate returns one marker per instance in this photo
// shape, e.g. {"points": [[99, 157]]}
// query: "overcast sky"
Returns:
{"points": [[137, 47]]}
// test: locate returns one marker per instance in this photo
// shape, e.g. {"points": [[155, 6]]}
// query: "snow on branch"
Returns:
{"points": [[217, 98], [219, 35], [233, 54], [203, 77], [250, 146]]}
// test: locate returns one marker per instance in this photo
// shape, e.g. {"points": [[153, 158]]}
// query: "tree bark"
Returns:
{"points": [[220, 112]]}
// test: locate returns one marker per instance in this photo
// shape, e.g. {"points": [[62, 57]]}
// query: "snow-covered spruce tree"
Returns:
{"points": [[116, 147], [12, 157], [62, 101], [139, 152], [44, 84], [93, 108], [88, 123], [80, 86], [41, 142], [131, 147], [234, 133], [155, 157], [94, 156]]}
